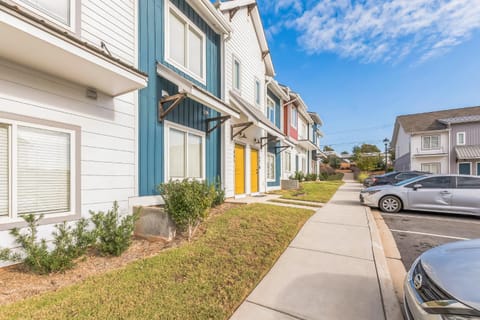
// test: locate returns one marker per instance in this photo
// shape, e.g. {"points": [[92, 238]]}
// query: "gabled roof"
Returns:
{"points": [[458, 120], [429, 121], [258, 26], [210, 14]]}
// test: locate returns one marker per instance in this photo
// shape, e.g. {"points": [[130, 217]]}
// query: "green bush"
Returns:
{"points": [[187, 202], [219, 197], [324, 176], [362, 176], [68, 244], [113, 235], [298, 175], [311, 177]]}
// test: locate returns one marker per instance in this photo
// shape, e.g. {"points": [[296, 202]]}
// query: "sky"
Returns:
{"points": [[361, 63]]}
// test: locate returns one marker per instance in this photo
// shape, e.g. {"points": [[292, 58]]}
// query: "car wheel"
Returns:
{"points": [[390, 204]]}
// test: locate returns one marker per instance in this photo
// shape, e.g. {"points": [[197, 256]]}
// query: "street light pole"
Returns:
{"points": [[386, 141]]}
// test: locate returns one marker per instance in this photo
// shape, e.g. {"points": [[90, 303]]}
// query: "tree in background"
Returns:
{"points": [[328, 148]]}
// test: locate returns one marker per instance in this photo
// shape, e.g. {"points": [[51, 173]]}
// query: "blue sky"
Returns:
{"points": [[360, 63]]}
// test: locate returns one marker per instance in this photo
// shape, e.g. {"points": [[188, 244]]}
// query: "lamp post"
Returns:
{"points": [[386, 141]]}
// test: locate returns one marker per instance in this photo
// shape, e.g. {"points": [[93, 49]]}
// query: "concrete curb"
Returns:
{"points": [[394, 259], [391, 304]]}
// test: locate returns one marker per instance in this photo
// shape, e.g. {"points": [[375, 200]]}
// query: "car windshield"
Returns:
{"points": [[407, 181]]}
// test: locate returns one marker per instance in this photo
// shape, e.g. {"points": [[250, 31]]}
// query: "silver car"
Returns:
{"points": [[439, 193], [444, 283]]}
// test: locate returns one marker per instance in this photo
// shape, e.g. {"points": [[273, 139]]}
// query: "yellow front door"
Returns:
{"points": [[239, 169], [254, 170]]}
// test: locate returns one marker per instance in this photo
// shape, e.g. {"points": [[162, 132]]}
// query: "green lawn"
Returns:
{"points": [[205, 279], [320, 191]]}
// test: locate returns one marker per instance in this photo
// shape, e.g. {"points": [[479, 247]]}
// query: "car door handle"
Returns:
{"points": [[445, 192]]}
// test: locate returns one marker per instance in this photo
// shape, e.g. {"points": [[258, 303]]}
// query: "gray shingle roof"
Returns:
{"points": [[464, 119], [467, 152], [430, 120]]}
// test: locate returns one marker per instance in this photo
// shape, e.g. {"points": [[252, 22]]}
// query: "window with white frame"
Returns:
{"points": [[270, 166], [294, 117], [237, 69], [431, 142], [288, 161], [37, 173], [460, 138], [258, 91], [433, 167], [186, 45], [59, 11], [270, 109], [185, 151]]}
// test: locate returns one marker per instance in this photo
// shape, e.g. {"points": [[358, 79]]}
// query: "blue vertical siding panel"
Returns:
{"points": [[276, 100], [189, 113]]}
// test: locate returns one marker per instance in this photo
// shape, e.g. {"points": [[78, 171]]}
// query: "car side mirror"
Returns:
{"points": [[417, 186]]}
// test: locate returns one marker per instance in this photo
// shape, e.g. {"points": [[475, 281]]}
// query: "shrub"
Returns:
{"points": [[311, 177], [113, 235], [324, 176], [362, 176], [187, 202], [298, 175], [68, 244], [219, 197]]}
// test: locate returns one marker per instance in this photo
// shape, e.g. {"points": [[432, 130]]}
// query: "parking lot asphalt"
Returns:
{"points": [[415, 232]]}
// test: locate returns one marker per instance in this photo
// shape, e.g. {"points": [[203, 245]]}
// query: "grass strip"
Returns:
{"points": [[319, 191], [299, 203], [205, 279]]}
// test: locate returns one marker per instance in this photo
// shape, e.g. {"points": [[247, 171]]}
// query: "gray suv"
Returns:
{"points": [[439, 193]]}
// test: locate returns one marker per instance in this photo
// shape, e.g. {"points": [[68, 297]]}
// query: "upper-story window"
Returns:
{"points": [[258, 92], [58, 11], [186, 45], [237, 69], [431, 142], [270, 109], [294, 117], [461, 138]]}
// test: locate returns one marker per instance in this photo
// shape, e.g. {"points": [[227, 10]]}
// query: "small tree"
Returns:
{"points": [[187, 202]]}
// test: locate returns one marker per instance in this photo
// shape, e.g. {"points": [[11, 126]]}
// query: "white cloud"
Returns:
{"points": [[381, 30]]}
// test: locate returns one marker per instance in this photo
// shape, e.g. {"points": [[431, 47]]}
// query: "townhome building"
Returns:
{"points": [[68, 110], [316, 135], [182, 111], [446, 141], [298, 126], [251, 143]]}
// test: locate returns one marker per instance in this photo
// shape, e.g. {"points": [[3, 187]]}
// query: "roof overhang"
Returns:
{"points": [[277, 89], [430, 155], [259, 30], [307, 144], [196, 93], [416, 133], [256, 116], [316, 118], [31, 42], [211, 15]]}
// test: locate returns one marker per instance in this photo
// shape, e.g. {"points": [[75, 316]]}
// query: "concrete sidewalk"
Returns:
{"points": [[329, 271]]}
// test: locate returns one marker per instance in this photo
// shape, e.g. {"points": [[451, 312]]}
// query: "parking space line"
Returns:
{"points": [[429, 234], [468, 219]]}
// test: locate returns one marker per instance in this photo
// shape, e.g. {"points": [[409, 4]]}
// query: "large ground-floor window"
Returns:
{"points": [[37, 170], [433, 167], [185, 152]]}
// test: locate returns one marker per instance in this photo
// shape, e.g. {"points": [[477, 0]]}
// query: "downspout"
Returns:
{"points": [[449, 148]]}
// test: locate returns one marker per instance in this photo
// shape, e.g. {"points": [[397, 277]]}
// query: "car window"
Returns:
{"points": [[440, 182], [406, 182], [468, 183]]}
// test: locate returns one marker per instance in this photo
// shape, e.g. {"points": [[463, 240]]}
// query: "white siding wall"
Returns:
{"points": [[419, 156], [403, 143], [113, 22], [243, 44], [108, 125]]}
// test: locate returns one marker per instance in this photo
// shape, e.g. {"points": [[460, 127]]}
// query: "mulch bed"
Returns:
{"points": [[17, 284]]}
